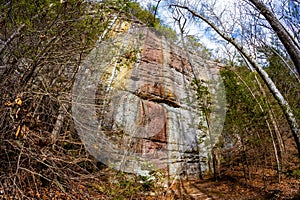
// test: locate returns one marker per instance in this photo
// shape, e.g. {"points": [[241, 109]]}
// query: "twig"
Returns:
{"points": [[10, 39]]}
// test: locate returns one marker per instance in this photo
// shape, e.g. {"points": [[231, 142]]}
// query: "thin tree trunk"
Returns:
{"points": [[10, 39], [272, 118], [290, 45], [247, 173], [59, 122], [155, 11], [278, 135], [278, 163], [263, 74], [206, 114]]}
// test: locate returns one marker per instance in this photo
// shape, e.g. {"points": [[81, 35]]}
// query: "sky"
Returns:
{"points": [[199, 30], [234, 18]]}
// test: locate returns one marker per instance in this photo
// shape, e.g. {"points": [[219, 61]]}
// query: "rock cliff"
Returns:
{"points": [[135, 108]]}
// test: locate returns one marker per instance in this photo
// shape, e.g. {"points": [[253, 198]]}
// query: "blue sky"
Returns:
{"points": [[230, 18], [191, 28]]}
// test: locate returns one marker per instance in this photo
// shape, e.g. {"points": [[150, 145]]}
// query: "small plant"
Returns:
{"points": [[202, 95], [125, 186], [294, 173]]}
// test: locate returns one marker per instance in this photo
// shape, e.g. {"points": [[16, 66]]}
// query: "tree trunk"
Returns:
{"points": [[278, 163], [263, 74], [10, 39], [290, 45], [59, 122]]}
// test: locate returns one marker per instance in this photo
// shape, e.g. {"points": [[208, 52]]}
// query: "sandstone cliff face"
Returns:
{"points": [[135, 109]]}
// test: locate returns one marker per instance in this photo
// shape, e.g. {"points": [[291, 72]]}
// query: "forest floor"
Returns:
{"points": [[109, 184], [231, 188], [232, 184], [224, 188], [29, 170]]}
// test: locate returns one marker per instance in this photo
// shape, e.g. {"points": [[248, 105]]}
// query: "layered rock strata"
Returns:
{"points": [[135, 108]]}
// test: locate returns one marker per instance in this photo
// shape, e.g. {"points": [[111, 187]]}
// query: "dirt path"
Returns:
{"points": [[192, 190], [214, 190], [235, 189], [189, 190]]}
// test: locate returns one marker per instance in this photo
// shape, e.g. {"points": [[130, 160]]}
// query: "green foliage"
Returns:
{"points": [[204, 101], [195, 45], [296, 173], [245, 121], [143, 15], [242, 107], [248, 111], [125, 186], [285, 81], [202, 94], [42, 61], [167, 31], [52, 30], [147, 17]]}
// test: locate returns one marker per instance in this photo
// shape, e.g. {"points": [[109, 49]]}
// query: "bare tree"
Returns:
{"points": [[41, 47], [220, 30], [291, 46]]}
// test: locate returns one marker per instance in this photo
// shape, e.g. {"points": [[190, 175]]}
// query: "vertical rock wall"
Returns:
{"points": [[135, 109]]}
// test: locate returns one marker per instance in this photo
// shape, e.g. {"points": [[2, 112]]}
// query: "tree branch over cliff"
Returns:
{"points": [[263, 74], [289, 43]]}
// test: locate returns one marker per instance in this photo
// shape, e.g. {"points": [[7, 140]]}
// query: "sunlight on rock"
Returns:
{"points": [[135, 107]]}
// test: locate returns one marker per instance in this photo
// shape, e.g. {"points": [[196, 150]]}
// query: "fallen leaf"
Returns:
{"points": [[19, 101], [18, 131], [8, 103]]}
